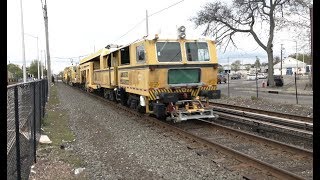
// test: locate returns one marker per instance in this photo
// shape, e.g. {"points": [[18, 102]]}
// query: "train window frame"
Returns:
{"points": [[140, 48], [189, 68], [125, 51], [168, 42], [186, 52]]}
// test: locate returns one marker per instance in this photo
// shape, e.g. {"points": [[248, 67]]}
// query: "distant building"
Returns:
{"points": [[264, 69], [290, 66], [227, 68]]}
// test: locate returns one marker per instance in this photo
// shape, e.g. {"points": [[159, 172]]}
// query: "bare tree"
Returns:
{"points": [[276, 60], [243, 16]]}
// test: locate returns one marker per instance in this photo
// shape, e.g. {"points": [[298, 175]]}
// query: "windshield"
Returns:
{"points": [[168, 51], [197, 51]]}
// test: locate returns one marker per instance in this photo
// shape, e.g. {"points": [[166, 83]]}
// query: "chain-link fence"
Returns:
{"points": [[25, 110], [289, 89]]}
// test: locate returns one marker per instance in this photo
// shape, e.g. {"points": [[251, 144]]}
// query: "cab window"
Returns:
{"points": [[140, 53], [197, 51], [168, 51]]}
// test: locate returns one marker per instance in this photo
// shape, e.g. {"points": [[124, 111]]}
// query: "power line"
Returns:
{"points": [[131, 28], [71, 57], [166, 8], [148, 16]]}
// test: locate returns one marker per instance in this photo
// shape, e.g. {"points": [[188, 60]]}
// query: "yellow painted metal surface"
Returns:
{"points": [[139, 77], [71, 74], [134, 80], [92, 56]]}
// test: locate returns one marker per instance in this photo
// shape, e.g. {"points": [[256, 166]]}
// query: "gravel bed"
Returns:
{"points": [[279, 135], [294, 109], [116, 146]]}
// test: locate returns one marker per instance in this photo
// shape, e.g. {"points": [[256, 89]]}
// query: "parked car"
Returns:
{"points": [[251, 77], [222, 78], [262, 76], [278, 80], [235, 76]]}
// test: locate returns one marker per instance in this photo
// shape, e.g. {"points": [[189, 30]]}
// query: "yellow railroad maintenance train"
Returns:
{"points": [[70, 75], [164, 77]]}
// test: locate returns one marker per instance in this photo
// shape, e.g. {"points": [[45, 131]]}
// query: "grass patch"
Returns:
{"points": [[254, 98], [55, 125]]}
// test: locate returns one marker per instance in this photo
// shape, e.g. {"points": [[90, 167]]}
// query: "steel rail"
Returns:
{"points": [[265, 112], [277, 172], [268, 118], [274, 143]]}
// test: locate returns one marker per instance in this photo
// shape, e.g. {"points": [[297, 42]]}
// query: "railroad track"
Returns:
{"points": [[252, 156], [265, 119], [283, 160], [264, 112]]}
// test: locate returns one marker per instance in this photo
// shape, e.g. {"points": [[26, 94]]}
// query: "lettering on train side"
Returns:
{"points": [[124, 81], [124, 74]]}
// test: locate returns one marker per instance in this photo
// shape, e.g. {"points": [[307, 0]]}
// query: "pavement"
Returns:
{"points": [[289, 87]]}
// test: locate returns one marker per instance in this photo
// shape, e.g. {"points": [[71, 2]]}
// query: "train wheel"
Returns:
{"points": [[123, 100], [141, 109], [112, 96], [105, 94]]}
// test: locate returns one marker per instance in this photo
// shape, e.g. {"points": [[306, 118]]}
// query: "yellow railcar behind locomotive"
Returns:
{"points": [[71, 75], [154, 75]]}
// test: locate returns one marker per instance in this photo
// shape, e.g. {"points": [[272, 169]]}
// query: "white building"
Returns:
{"points": [[289, 67]]}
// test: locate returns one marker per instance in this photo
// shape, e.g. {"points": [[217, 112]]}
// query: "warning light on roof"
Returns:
{"points": [[182, 32]]}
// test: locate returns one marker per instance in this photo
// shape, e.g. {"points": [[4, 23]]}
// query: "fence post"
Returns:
{"points": [[40, 99], [295, 82], [257, 84], [228, 86], [43, 98], [34, 123], [16, 109]]}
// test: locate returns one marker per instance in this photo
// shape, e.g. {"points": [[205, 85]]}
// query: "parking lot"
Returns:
{"points": [[285, 94]]}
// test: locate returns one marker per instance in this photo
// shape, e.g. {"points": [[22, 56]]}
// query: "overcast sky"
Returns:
{"points": [[78, 27]]}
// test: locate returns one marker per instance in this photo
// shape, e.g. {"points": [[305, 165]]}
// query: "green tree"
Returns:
{"points": [[257, 64], [307, 57], [221, 69], [235, 66], [33, 69], [15, 70]]}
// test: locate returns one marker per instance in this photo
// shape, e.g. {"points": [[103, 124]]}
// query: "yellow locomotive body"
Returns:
{"points": [[152, 75], [71, 75]]}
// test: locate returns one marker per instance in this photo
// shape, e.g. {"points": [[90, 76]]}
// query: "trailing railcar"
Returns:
{"points": [[158, 76], [71, 75]]}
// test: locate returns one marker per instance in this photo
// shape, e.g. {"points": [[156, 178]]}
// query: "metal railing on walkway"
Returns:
{"points": [[25, 111]]}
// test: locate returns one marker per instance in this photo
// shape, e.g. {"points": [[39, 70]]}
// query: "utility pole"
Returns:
{"points": [[229, 68], [147, 28], [281, 61], [45, 16], [45, 61], [311, 18], [38, 58], [41, 65], [37, 52], [297, 56], [23, 47]]}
